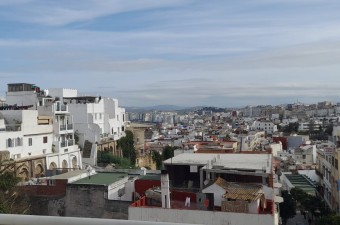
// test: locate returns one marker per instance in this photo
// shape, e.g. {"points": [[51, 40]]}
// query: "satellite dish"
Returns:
{"points": [[46, 92]]}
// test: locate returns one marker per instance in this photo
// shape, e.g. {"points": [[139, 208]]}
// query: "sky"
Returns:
{"points": [[223, 53]]}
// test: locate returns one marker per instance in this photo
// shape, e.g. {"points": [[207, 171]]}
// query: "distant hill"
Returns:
{"points": [[154, 108]]}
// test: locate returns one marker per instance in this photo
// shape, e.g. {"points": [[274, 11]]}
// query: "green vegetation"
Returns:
{"points": [[291, 128], [12, 199], [287, 207], [157, 158], [167, 153], [108, 158], [329, 220], [126, 144], [309, 203]]}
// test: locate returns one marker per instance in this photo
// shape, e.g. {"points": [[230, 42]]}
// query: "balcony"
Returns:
{"points": [[69, 126], [62, 127], [58, 146], [65, 127], [60, 108]]}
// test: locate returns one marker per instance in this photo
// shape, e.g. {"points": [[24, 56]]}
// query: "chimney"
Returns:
{"points": [[165, 189]]}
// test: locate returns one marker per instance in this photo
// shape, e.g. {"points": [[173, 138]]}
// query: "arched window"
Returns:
{"points": [[18, 142], [9, 143]]}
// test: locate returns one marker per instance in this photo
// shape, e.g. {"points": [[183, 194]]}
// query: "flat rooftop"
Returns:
{"points": [[68, 175], [102, 179], [225, 161]]}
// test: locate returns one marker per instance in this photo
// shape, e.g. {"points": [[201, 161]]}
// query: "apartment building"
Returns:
{"points": [[98, 122], [264, 125], [27, 107]]}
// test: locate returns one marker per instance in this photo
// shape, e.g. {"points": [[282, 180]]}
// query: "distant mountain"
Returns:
{"points": [[154, 108]]}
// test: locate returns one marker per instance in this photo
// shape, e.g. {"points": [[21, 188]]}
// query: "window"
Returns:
{"points": [[9, 143], [336, 164], [51, 182], [18, 142], [30, 142], [45, 139]]}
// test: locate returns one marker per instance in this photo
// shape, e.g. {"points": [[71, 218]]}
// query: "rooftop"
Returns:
{"points": [[150, 177], [302, 182], [102, 179], [70, 174], [227, 161]]}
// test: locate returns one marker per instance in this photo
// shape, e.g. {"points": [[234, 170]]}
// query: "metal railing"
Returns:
{"points": [[62, 127], [62, 108]]}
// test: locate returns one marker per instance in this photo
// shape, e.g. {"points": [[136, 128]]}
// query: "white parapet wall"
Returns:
{"points": [[11, 219], [200, 217]]}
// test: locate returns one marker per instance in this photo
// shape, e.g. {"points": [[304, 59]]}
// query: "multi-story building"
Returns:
{"points": [[27, 142], [98, 123], [36, 106], [264, 125]]}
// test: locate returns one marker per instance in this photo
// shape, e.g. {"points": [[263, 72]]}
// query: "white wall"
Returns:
{"points": [[29, 130], [253, 206], [276, 148], [124, 183], [218, 193], [22, 98], [200, 217], [62, 92]]}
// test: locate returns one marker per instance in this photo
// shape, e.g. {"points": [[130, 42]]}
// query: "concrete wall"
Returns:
{"points": [[85, 200], [200, 217], [57, 206], [218, 193], [22, 98]]}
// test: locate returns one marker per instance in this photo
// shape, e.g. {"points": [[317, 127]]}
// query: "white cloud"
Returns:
{"points": [[58, 13]]}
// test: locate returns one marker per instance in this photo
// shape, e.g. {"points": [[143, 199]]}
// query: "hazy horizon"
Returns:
{"points": [[178, 52]]}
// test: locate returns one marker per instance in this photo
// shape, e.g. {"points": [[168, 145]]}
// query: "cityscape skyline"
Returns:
{"points": [[186, 53]]}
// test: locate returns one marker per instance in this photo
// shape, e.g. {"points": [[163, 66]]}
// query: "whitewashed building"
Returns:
{"points": [[98, 122], [60, 150], [264, 125]]}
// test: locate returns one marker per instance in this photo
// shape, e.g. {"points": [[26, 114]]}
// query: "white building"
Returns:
{"points": [[32, 106], [264, 125], [311, 125], [98, 122]]}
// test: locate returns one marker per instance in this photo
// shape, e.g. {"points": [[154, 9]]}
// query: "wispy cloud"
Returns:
{"points": [[58, 13], [186, 52]]}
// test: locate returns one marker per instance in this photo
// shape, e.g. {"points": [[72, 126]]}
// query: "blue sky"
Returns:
{"points": [[183, 52]]}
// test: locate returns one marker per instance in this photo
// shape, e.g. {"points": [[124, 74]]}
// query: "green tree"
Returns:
{"points": [[287, 207], [168, 152], [120, 163], [127, 145], [157, 158], [329, 220]]}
